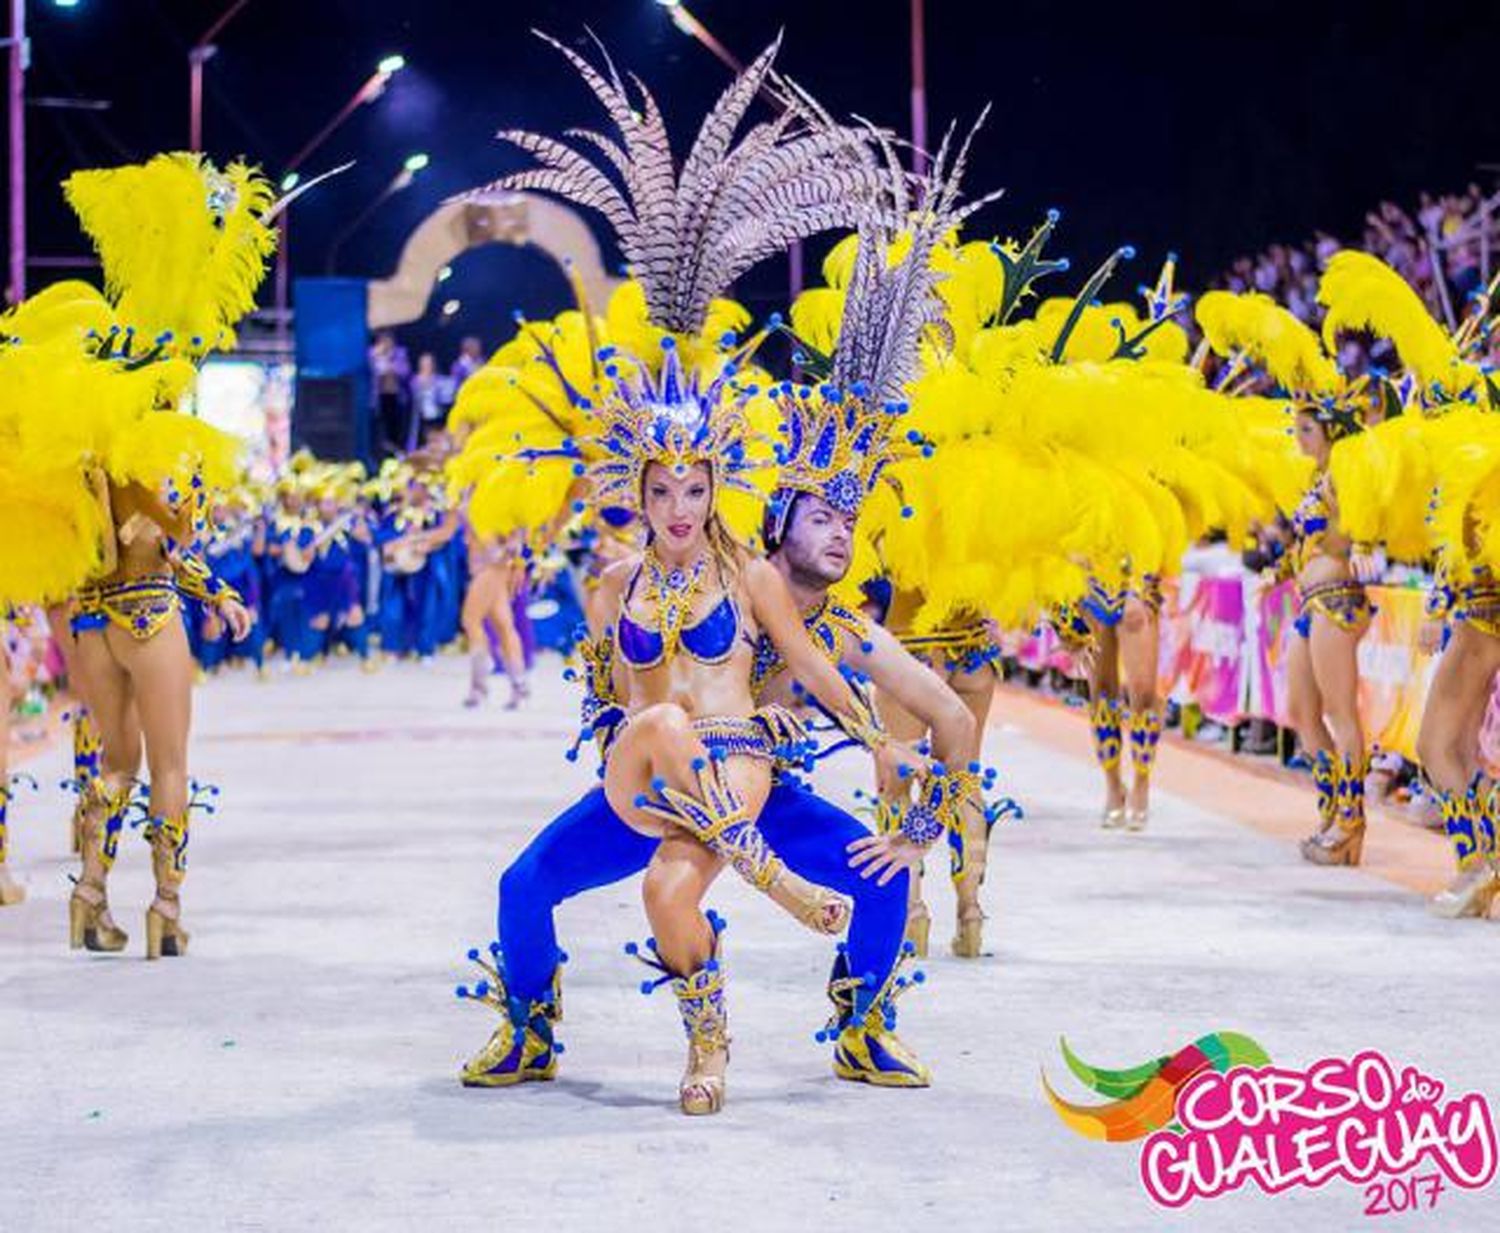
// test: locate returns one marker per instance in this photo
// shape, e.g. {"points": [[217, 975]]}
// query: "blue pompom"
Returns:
{"points": [[474, 953]]}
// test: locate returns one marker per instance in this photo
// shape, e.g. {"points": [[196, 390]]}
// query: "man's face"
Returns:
{"points": [[819, 543]]}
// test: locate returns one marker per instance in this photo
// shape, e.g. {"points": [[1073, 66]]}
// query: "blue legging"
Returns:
{"points": [[588, 846]]}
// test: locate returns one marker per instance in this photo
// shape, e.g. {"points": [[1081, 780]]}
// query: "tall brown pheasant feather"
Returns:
{"points": [[688, 235]]}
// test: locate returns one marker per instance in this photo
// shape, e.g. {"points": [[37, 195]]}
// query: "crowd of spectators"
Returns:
{"points": [[411, 405], [1444, 249]]}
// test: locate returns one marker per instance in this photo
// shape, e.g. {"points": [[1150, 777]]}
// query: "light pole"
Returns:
{"points": [[371, 90], [918, 87], [200, 54], [20, 55], [402, 179], [20, 61], [694, 28]]}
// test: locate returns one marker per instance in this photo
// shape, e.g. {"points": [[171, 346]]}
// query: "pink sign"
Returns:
{"points": [[1209, 634]]}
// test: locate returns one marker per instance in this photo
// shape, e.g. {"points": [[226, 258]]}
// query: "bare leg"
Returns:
{"points": [[511, 655], [1106, 713], [977, 689], [106, 688], [659, 776], [1333, 653], [1448, 745], [901, 725], [11, 891], [1140, 655], [484, 594], [161, 677], [680, 873]]}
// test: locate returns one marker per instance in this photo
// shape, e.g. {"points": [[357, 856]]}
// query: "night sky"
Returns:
{"points": [[1211, 129]]}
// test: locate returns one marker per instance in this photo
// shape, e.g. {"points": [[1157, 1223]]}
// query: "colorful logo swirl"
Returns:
{"points": [[1144, 1098]]}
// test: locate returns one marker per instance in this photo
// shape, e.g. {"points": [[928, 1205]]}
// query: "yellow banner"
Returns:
{"points": [[1393, 675]]}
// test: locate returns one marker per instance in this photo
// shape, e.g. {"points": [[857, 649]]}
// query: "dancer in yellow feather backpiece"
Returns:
{"points": [[1333, 609], [118, 485], [964, 653], [11, 891], [1426, 483]]}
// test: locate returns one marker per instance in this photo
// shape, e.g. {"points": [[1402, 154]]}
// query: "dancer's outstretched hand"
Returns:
{"points": [[237, 617], [886, 855], [898, 760]]}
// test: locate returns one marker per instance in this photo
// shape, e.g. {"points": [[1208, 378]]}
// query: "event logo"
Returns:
{"points": [[1217, 1115]]}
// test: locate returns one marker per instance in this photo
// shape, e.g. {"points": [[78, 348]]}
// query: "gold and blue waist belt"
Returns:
{"points": [[1343, 601], [967, 648], [1478, 605], [141, 606], [771, 734]]}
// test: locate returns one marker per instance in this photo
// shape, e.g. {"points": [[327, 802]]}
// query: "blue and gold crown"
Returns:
{"points": [[675, 416], [837, 445]]}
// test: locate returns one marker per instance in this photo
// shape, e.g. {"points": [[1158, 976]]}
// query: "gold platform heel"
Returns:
{"points": [[11, 891], [968, 940], [90, 926], [700, 998], [1471, 830], [1471, 894], [165, 936], [1344, 842]]}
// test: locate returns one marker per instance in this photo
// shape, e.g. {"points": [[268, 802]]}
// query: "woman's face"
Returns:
{"points": [[677, 507], [1312, 440]]}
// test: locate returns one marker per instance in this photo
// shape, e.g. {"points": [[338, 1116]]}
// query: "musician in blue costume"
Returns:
{"points": [[231, 553], [839, 443], [336, 612], [412, 537], [289, 539]]}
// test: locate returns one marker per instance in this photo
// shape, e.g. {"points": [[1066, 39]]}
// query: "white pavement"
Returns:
{"points": [[298, 1069]]}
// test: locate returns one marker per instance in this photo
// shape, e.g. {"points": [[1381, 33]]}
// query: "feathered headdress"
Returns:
{"points": [[687, 235], [838, 433], [1253, 328], [183, 245], [1361, 292]]}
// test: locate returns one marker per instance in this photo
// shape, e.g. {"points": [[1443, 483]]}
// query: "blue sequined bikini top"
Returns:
{"points": [[710, 641]]}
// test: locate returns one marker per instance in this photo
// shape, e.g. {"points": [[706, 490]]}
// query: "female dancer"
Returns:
{"points": [[1448, 742], [1323, 665], [11, 891], [965, 656], [1126, 642], [692, 763], [136, 674], [497, 575], [1333, 610]]}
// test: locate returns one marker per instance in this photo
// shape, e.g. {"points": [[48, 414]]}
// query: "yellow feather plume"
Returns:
{"points": [[184, 245], [1363, 293], [1286, 348]]}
